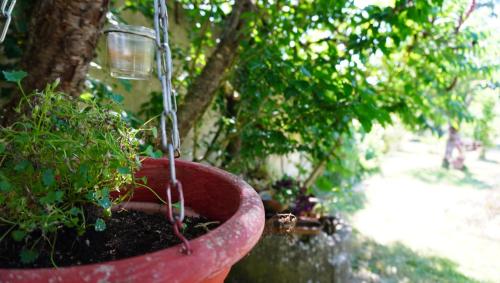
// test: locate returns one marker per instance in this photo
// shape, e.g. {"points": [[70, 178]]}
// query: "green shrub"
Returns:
{"points": [[60, 161], [484, 130]]}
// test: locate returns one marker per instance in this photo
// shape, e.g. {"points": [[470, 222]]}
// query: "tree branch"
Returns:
{"points": [[463, 18], [201, 93]]}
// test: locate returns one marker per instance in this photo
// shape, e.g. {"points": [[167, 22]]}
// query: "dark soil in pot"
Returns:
{"points": [[128, 233]]}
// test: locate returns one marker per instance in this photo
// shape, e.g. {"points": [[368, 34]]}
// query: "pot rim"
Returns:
{"points": [[213, 252]]}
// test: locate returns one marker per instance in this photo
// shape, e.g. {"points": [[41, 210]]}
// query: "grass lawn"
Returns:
{"points": [[422, 223]]}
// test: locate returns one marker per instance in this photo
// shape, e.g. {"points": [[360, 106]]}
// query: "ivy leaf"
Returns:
{"points": [[100, 225], [124, 170], [18, 235], [28, 256], [48, 177], [14, 76]]}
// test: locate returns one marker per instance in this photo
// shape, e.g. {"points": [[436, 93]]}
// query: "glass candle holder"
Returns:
{"points": [[131, 51]]}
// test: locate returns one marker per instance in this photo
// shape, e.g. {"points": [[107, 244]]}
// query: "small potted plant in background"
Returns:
{"points": [[66, 162], [281, 195], [291, 208]]}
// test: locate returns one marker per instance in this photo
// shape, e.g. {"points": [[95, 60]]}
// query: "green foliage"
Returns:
{"points": [[28, 256], [61, 161], [310, 71], [285, 190], [483, 128], [15, 76]]}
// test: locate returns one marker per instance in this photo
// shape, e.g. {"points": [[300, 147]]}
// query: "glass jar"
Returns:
{"points": [[131, 51]]}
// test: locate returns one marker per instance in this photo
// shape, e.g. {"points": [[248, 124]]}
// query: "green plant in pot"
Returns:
{"points": [[67, 163], [59, 163]]}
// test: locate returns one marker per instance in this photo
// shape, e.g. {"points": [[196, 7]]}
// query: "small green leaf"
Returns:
{"points": [[28, 256], [105, 203], [176, 205], [58, 195], [127, 85], [48, 177], [92, 196], [56, 83], [21, 166], [18, 235], [14, 76], [74, 211], [158, 154], [306, 72], [124, 170], [152, 153], [86, 96], [117, 98], [149, 151], [2, 148], [155, 132], [5, 186], [100, 225], [52, 197]]}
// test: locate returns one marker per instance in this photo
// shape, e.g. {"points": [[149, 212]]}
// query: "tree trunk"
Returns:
{"points": [[202, 91], [319, 169], [62, 38]]}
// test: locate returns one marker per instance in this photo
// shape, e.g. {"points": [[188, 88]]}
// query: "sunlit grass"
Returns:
{"points": [[398, 263]]}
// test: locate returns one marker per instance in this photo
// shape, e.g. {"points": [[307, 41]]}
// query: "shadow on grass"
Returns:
{"points": [[489, 160], [454, 177], [372, 262]]}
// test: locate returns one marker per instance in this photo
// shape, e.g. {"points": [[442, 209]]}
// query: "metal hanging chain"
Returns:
{"points": [[6, 16], [169, 135]]}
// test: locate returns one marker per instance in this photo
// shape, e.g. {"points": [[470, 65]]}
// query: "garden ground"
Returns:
{"points": [[423, 223]]}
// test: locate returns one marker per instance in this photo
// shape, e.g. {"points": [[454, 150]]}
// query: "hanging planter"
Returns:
{"points": [[212, 193], [131, 51]]}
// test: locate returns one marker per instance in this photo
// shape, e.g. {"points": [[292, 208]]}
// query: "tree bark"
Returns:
{"points": [[202, 91], [62, 40]]}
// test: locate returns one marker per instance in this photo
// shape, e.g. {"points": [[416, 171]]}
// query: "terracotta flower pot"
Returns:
{"points": [[209, 191]]}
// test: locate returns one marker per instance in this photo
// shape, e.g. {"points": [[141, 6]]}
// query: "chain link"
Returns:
{"points": [[6, 16], [170, 139]]}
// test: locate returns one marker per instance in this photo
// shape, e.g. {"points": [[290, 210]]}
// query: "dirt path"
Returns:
{"points": [[437, 212]]}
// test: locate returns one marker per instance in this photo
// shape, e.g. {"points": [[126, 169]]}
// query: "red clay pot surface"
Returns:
{"points": [[211, 192]]}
